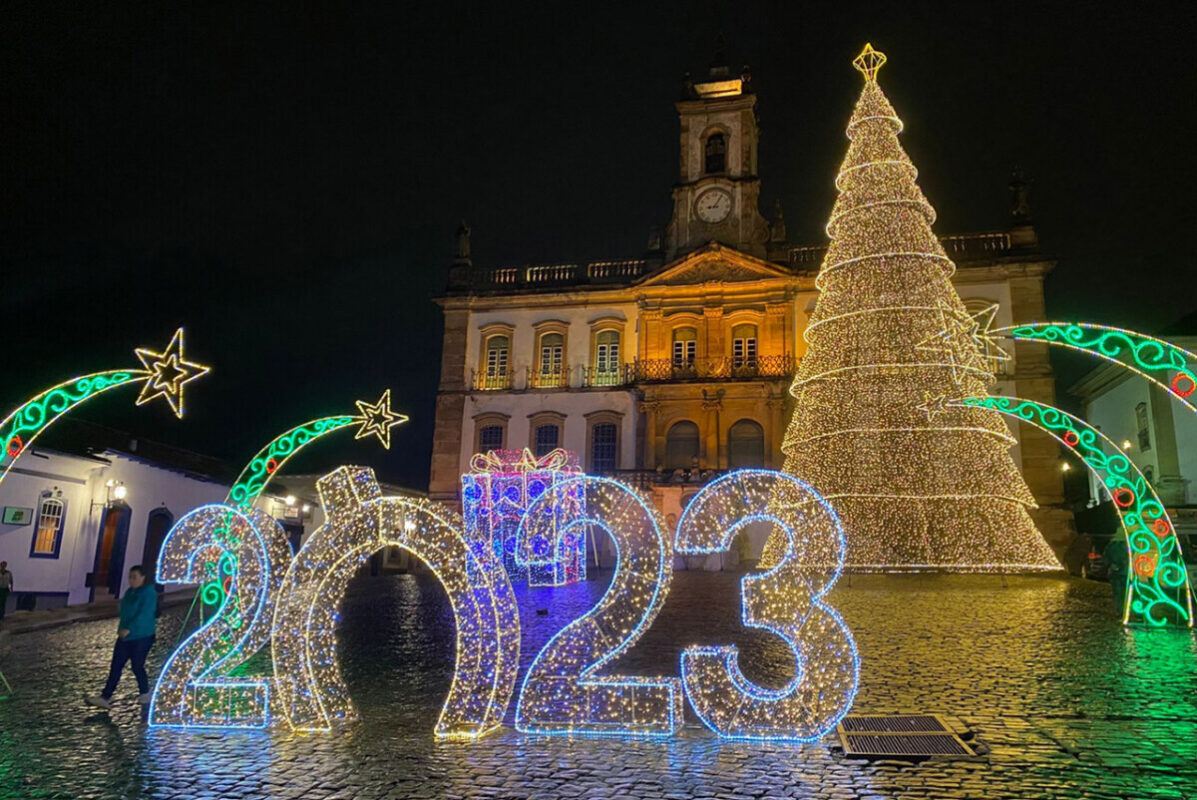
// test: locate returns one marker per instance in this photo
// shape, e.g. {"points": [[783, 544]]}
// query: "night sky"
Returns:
{"points": [[286, 183]]}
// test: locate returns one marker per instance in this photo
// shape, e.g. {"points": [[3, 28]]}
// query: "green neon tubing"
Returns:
{"points": [[21, 427], [270, 459], [1152, 358], [1158, 592]]}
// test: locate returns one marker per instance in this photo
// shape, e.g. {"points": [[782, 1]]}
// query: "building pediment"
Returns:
{"points": [[714, 263]]}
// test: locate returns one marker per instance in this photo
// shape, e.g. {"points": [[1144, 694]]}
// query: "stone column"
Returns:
{"points": [[445, 480], [1033, 380], [710, 455], [1169, 484]]}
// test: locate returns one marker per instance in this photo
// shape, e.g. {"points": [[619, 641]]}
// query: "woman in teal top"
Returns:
{"points": [[134, 638]]}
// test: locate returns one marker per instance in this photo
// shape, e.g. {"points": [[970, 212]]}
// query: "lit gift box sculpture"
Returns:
{"points": [[496, 494]]}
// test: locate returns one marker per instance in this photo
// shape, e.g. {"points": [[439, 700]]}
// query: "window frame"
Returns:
{"points": [[44, 499], [593, 420], [486, 420], [708, 139], [545, 419], [689, 347]]}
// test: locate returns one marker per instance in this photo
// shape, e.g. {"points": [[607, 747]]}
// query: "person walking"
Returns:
{"points": [[134, 638], [1118, 569], [5, 587]]}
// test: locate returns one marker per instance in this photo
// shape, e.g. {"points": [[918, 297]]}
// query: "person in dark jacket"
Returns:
{"points": [[1118, 569], [134, 638]]}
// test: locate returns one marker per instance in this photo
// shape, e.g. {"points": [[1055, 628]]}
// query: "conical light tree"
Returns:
{"points": [[918, 483]]}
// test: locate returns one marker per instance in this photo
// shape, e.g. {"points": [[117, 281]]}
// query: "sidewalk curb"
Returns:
{"points": [[20, 622]]}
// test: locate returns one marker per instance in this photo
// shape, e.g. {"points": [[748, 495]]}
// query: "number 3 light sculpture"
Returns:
{"points": [[786, 600]]}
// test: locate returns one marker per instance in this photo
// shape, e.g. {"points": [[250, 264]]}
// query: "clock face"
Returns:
{"points": [[713, 205]]}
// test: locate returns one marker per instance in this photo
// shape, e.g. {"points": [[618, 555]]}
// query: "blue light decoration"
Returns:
{"points": [[563, 692], [496, 494], [360, 521], [785, 600], [243, 552]]}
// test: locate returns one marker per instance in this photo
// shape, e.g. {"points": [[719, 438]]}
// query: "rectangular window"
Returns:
{"points": [[608, 357], [602, 447], [1143, 426], [47, 536], [490, 437], [683, 352], [744, 352], [547, 438], [496, 362]]}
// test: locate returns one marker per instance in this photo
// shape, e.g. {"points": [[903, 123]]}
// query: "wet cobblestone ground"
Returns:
{"points": [[1065, 702]]}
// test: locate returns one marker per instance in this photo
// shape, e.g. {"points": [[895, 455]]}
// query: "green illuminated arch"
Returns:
{"points": [[1158, 591], [262, 467], [1163, 363]]}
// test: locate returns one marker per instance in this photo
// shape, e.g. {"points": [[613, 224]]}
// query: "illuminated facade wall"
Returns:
{"points": [[720, 277]]}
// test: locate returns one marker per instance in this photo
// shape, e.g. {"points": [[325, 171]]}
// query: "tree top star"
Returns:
{"points": [[378, 419], [168, 372]]}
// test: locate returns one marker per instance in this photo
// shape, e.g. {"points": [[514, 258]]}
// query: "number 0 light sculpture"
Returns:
{"points": [[360, 522]]}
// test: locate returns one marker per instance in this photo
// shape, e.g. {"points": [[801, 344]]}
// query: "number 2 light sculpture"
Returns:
{"points": [[360, 522], [245, 553], [785, 600], [562, 691]]}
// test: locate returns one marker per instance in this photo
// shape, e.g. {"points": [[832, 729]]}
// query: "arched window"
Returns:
{"points": [[606, 354], [681, 445], [716, 153], [47, 536], [745, 445], [685, 343], [552, 350], [547, 438], [490, 437], [497, 350], [744, 346], [604, 437]]}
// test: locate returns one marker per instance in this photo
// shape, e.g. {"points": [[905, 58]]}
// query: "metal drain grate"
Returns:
{"points": [[908, 736]]}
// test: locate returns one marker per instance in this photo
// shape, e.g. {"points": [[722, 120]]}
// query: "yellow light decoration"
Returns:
{"points": [[916, 485], [169, 372], [785, 601], [312, 693], [378, 419], [245, 553], [563, 692], [869, 62]]}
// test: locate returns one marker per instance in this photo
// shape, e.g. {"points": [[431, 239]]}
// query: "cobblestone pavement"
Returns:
{"points": [[1067, 704]]}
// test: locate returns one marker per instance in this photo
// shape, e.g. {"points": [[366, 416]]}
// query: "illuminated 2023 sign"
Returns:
{"points": [[563, 691]]}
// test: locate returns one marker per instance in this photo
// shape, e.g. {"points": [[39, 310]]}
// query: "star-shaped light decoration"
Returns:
{"points": [[979, 327], [933, 405], [378, 419], [169, 372], [869, 62], [965, 341]]}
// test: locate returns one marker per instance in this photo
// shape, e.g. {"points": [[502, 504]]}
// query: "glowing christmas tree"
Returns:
{"points": [[918, 483]]}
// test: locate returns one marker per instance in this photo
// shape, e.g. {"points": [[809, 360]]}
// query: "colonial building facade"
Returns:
{"points": [[667, 368]]}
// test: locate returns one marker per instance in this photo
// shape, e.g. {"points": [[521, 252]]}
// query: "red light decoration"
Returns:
{"points": [[1071, 438], [1123, 497], [271, 465], [1183, 380], [1162, 528], [1145, 566], [15, 446]]}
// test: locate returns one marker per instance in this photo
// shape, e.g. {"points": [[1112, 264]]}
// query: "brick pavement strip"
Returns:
{"points": [[1068, 704]]}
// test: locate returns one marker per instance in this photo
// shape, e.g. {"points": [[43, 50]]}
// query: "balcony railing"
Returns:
{"points": [[593, 377], [721, 368], [549, 380], [488, 381], [961, 247], [536, 276], [646, 479]]}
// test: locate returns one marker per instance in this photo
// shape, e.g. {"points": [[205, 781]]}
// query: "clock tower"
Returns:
{"points": [[717, 192]]}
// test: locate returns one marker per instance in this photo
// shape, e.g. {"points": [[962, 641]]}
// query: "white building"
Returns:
{"points": [[74, 522], [1156, 431]]}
